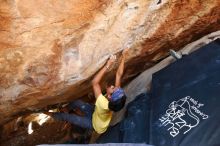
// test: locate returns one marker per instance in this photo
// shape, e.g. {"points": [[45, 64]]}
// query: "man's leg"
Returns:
{"points": [[84, 107], [94, 137], [84, 122]]}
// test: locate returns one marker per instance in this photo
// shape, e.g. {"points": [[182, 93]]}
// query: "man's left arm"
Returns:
{"points": [[96, 81]]}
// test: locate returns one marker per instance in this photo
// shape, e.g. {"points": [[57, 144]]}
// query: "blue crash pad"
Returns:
{"points": [[182, 108]]}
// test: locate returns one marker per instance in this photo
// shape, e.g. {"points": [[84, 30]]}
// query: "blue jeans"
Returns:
{"points": [[84, 122]]}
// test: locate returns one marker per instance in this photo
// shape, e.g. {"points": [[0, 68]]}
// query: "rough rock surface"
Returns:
{"points": [[49, 50]]}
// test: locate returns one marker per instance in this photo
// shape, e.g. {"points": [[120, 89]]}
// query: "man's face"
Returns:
{"points": [[110, 90]]}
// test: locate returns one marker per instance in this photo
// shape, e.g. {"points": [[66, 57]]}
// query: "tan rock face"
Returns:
{"points": [[49, 50]]}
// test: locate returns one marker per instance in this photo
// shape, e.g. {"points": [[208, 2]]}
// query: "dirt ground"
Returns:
{"points": [[51, 132]]}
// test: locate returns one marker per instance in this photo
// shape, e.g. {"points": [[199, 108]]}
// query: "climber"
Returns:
{"points": [[99, 116], [114, 100]]}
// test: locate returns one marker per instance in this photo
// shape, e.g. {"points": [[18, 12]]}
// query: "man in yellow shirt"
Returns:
{"points": [[113, 101], [99, 116]]}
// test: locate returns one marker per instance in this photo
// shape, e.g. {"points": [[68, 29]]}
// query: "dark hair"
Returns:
{"points": [[109, 83], [118, 104]]}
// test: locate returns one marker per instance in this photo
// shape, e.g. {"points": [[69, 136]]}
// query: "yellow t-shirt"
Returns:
{"points": [[102, 115]]}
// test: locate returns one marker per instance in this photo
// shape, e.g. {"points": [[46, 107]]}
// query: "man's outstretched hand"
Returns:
{"points": [[111, 60], [125, 52]]}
